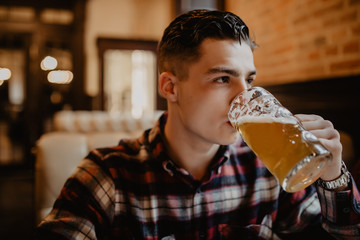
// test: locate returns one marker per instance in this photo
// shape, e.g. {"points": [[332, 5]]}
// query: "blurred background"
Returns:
{"points": [[100, 55]]}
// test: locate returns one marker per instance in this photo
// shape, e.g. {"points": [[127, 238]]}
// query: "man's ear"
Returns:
{"points": [[167, 88]]}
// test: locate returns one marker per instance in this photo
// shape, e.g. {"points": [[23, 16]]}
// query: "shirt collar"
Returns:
{"points": [[157, 148]]}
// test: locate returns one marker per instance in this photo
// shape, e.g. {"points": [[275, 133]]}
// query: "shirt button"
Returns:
{"points": [[346, 210], [202, 235]]}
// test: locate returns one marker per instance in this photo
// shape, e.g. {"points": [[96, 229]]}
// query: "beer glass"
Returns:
{"points": [[292, 154]]}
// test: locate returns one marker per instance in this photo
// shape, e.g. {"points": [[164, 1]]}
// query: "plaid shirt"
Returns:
{"points": [[135, 191]]}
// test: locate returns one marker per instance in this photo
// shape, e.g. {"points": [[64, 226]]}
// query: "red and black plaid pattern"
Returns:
{"points": [[135, 191]]}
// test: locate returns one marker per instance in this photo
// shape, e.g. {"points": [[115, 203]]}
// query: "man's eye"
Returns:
{"points": [[250, 81], [224, 79]]}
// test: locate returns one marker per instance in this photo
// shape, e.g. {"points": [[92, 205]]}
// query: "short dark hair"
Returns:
{"points": [[182, 38]]}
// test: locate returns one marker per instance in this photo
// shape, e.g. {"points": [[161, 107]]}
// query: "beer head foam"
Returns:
{"points": [[258, 105], [265, 119]]}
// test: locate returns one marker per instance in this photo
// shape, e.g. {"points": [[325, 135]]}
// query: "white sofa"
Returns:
{"points": [[75, 133]]}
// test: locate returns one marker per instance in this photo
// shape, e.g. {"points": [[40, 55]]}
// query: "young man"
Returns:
{"points": [[191, 176]]}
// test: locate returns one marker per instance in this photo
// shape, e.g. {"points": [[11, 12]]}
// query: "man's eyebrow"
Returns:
{"points": [[223, 70], [251, 73], [228, 71]]}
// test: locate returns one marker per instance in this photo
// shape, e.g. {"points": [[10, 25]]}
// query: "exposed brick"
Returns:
{"points": [[353, 2], [356, 30], [349, 16], [330, 22], [339, 35], [314, 71], [284, 49], [331, 50], [314, 55], [304, 39], [351, 47], [301, 19], [280, 26], [341, 19], [337, 6], [348, 65], [320, 41], [308, 71]]}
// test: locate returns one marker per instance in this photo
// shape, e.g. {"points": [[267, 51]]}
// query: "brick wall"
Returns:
{"points": [[302, 40]]}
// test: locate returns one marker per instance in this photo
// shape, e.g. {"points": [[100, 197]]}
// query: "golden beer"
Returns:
{"points": [[280, 144], [292, 154]]}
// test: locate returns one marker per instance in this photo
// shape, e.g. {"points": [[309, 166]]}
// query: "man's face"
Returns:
{"points": [[224, 69]]}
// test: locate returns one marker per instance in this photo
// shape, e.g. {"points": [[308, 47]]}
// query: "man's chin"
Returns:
{"points": [[231, 139]]}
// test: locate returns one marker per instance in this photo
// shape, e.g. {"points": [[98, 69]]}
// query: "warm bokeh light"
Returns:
{"points": [[60, 76], [48, 63], [5, 74], [56, 97]]}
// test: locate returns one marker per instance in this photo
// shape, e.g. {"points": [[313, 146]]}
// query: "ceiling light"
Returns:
{"points": [[5, 74], [48, 63], [60, 76]]}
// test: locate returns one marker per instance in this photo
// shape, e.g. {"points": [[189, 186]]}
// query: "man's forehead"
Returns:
{"points": [[220, 53], [223, 48]]}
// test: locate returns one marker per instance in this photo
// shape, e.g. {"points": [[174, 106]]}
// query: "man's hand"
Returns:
{"points": [[329, 137]]}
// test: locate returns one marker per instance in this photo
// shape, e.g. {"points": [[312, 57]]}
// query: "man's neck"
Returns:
{"points": [[189, 151]]}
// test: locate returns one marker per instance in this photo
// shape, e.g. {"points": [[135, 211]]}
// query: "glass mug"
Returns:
{"points": [[292, 154]]}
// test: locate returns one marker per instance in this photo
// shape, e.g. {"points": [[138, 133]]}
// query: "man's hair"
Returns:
{"points": [[180, 43]]}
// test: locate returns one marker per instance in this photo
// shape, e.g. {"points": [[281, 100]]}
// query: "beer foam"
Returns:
{"points": [[266, 119]]}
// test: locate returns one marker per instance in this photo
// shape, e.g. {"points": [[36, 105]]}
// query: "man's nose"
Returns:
{"points": [[240, 87]]}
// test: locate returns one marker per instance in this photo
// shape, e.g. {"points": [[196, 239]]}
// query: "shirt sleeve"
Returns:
{"points": [[85, 207], [341, 211]]}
